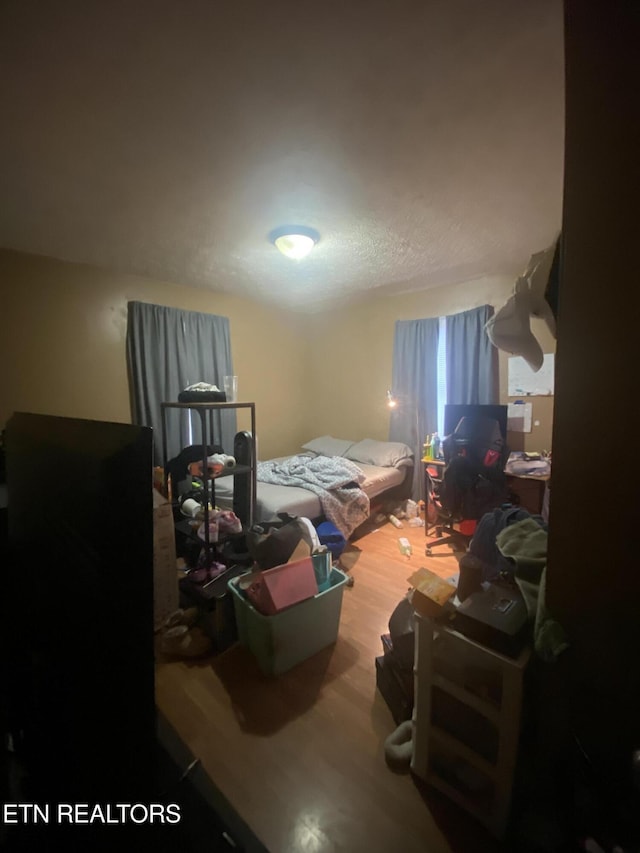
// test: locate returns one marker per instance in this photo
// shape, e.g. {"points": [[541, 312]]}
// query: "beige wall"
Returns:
{"points": [[62, 347], [63, 350], [541, 407], [352, 353]]}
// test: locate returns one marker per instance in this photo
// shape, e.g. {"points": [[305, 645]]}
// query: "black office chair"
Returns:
{"points": [[473, 482]]}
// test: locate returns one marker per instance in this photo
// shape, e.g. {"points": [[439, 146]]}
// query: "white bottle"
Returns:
{"points": [[405, 546]]}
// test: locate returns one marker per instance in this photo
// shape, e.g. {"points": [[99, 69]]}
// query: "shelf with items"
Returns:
{"points": [[211, 541], [482, 706], [462, 783], [466, 720], [472, 730], [433, 472]]}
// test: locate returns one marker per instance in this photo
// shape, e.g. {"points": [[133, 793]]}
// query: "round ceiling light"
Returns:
{"points": [[294, 241]]}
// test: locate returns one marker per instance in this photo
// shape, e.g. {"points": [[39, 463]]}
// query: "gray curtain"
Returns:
{"points": [[168, 349], [414, 384], [472, 360]]}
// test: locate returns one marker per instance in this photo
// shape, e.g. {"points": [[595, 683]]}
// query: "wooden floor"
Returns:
{"points": [[300, 756]]}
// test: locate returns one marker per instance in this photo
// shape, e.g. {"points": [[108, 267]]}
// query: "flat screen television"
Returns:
{"points": [[78, 607], [454, 411]]}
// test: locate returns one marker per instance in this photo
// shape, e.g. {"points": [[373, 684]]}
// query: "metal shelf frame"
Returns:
{"points": [[206, 412]]}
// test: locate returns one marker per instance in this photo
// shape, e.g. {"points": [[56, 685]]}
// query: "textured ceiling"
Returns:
{"points": [[423, 139]]}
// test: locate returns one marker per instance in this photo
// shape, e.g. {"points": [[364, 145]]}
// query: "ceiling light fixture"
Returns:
{"points": [[391, 400], [294, 241]]}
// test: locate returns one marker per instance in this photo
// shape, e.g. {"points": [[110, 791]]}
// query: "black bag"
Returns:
{"points": [[271, 543], [483, 544], [178, 467]]}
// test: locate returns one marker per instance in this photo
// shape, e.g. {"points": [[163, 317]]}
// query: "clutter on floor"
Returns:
{"points": [[184, 641], [398, 748]]}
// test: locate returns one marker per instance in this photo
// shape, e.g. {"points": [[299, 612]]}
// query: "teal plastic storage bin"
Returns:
{"points": [[281, 641]]}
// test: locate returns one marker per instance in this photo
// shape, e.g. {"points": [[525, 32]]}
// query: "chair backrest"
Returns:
{"points": [[474, 481], [478, 438]]}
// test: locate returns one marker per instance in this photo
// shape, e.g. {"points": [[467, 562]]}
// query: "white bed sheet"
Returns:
{"points": [[272, 499]]}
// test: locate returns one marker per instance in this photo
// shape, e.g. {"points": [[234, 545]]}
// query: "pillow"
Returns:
{"points": [[384, 454], [326, 445]]}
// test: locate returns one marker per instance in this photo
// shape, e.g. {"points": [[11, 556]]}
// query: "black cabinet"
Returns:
{"points": [[77, 628]]}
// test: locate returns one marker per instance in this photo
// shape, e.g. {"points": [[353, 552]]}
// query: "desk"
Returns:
{"points": [[527, 491]]}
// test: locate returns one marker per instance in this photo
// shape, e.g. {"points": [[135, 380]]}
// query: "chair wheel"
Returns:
{"points": [[428, 552]]}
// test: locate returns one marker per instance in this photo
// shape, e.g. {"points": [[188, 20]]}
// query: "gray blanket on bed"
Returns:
{"points": [[333, 479]]}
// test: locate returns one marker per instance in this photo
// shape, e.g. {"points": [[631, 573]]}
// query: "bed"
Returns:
{"points": [[341, 480]]}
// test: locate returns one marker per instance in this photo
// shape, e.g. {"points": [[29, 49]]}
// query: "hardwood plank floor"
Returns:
{"points": [[300, 756]]}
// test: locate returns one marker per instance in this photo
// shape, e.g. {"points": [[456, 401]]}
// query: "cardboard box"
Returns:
{"points": [[276, 589], [430, 593], [165, 574]]}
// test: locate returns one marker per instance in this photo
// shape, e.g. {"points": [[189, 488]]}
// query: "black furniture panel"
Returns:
{"points": [[78, 607]]}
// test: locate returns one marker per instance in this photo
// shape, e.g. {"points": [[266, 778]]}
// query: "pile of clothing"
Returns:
{"points": [[510, 543]]}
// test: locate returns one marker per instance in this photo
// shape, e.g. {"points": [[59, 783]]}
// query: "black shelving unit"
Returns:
{"points": [[245, 469]]}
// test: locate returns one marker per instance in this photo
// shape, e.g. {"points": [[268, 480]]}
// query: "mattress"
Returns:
{"points": [[272, 499]]}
